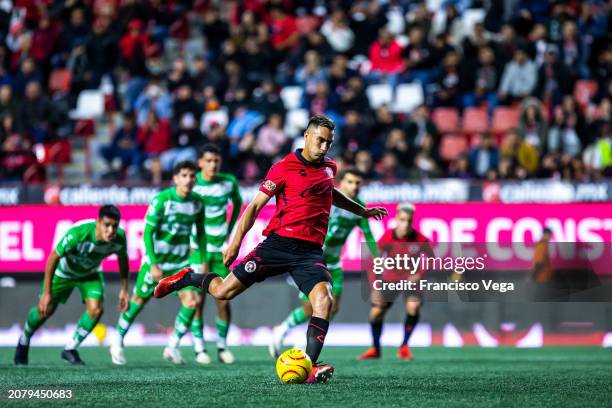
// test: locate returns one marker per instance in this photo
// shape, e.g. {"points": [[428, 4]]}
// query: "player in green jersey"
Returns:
{"points": [[75, 263], [217, 189], [341, 223], [171, 215]]}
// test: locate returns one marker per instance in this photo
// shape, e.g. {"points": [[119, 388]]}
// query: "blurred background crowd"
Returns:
{"points": [[419, 89]]}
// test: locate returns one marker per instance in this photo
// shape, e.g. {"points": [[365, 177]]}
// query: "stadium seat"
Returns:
{"points": [[408, 97], [296, 121], [505, 118], [475, 120], [584, 90], [90, 105], [292, 97], [86, 129], [210, 118], [379, 95], [446, 119], [57, 153], [60, 80], [452, 146]]}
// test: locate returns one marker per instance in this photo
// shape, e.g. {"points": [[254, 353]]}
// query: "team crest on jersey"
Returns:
{"points": [[250, 266], [269, 185], [329, 171]]}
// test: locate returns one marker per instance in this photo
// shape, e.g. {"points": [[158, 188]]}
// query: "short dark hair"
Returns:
{"points": [[321, 120], [546, 230], [351, 170], [185, 164], [109, 211], [210, 148]]}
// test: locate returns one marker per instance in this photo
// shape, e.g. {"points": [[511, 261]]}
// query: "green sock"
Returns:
{"points": [[297, 316], [197, 332], [181, 325], [84, 327], [33, 322], [222, 329], [127, 318]]}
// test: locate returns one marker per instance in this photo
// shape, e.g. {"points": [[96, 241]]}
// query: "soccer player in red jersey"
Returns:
{"points": [[389, 246], [303, 184]]}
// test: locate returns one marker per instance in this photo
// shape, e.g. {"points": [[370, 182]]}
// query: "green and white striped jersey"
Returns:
{"points": [[216, 195], [341, 223], [168, 225], [81, 253]]}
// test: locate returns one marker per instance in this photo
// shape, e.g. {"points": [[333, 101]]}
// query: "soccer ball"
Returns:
{"points": [[293, 366]]}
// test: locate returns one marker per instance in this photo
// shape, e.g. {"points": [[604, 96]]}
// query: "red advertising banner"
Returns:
{"points": [[28, 233]]}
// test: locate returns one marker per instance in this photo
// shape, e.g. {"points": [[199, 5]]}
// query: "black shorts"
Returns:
{"points": [[277, 255]]}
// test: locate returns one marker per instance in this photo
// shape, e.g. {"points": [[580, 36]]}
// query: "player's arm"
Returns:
{"points": [[244, 225], [152, 220], [340, 200], [46, 298], [364, 224], [236, 206]]}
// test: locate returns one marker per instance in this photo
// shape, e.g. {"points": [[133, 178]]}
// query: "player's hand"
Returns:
{"points": [[124, 300], [156, 273], [43, 304], [230, 254], [377, 212]]}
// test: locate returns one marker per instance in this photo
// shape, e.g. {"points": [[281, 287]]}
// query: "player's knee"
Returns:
{"points": [[95, 312], [190, 303], [376, 314], [222, 293]]}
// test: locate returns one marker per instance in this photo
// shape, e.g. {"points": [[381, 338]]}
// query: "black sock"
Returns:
{"points": [[205, 280], [315, 336], [409, 325], [376, 332]]}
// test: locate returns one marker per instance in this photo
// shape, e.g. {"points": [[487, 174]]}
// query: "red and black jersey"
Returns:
{"points": [[414, 244], [303, 192]]}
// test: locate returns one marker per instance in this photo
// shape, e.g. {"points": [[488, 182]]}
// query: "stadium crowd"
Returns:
{"points": [[523, 92]]}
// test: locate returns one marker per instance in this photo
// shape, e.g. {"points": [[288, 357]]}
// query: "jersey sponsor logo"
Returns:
{"points": [[250, 266], [269, 185], [317, 189], [329, 171]]}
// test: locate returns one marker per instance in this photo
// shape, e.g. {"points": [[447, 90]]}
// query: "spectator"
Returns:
{"points": [[8, 104], [206, 75], [533, 128], [572, 51], [266, 100], [420, 126], [426, 160], [153, 99], [77, 30], [185, 140], [447, 83], [386, 58], [185, 105], [16, 157], [36, 114], [27, 73], [484, 156], [311, 73], [485, 83], [364, 163], [553, 78], [563, 137], [270, 143], [124, 147], [390, 169], [337, 32], [354, 97], [418, 57], [519, 78], [178, 75], [323, 101], [153, 139]]}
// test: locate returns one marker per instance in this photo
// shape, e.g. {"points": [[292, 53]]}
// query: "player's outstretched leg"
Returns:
{"points": [[33, 323], [412, 318], [224, 289], [321, 299], [376, 324], [85, 325]]}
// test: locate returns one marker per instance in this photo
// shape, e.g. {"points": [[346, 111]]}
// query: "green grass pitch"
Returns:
{"points": [[475, 377]]}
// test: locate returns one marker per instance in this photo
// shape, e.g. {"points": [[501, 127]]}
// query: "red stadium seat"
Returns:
{"points": [[475, 120], [60, 80], [452, 146], [505, 118], [584, 90], [307, 24], [86, 128], [446, 119]]}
